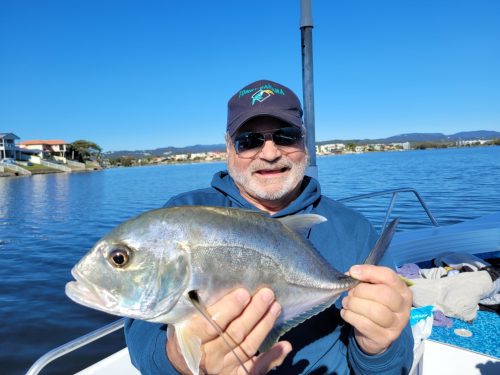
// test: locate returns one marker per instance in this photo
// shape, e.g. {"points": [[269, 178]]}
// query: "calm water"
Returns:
{"points": [[48, 222]]}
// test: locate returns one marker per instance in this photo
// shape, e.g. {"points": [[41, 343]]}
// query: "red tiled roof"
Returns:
{"points": [[43, 142]]}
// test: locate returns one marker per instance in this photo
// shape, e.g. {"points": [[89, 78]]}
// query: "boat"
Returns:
{"points": [[479, 236]]}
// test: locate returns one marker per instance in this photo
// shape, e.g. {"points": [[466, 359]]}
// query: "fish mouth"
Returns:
{"points": [[85, 293]]}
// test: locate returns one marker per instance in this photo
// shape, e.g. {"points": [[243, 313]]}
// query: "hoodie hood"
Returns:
{"points": [[304, 203]]}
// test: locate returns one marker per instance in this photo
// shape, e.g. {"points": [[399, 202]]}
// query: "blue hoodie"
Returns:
{"points": [[323, 344]]}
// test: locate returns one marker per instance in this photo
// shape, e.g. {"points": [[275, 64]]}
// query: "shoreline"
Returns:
{"points": [[44, 172], [181, 162]]}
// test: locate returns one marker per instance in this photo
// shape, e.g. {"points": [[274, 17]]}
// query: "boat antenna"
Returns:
{"points": [[306, 26]]}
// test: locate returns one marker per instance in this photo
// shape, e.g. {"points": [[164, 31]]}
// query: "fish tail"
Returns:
{"points": [[382, 244]]}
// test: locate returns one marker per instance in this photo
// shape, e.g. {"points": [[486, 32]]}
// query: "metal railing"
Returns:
{"points": [[394, 193], [73, 345]]}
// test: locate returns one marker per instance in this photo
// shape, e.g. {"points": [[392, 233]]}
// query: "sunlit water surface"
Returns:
{"points": [[48, 222]]}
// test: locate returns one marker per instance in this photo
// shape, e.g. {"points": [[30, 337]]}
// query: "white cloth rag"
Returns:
{"points": [[456, 296], [433, 273]]}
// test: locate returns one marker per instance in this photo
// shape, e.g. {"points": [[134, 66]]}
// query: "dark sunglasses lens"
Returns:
{"points": [[287, 136], [248, 141]]}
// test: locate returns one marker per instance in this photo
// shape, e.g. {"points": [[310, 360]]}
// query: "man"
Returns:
{"points": [[365, 332]]}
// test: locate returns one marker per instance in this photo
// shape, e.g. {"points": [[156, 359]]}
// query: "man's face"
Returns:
{"points": [[274, 172]]}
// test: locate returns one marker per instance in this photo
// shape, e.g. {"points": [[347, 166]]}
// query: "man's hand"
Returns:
{"points": [[378, 308], [247, 319]]}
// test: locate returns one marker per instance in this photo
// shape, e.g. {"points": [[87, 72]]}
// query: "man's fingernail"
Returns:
{"points": [[242, 296], [267, 295], [275, 309], [345, 302], [355, 271]]}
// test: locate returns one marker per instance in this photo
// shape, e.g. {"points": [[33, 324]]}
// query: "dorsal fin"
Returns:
{"points": [[302, 223]]}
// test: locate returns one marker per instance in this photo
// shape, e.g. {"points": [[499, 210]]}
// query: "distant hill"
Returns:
{"points": [[409, 137], [440, 137], [165, 151], [425, 137], [478, 134]]}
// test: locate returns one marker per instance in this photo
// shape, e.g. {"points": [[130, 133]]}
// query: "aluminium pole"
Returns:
{"points": [[306, 26]]}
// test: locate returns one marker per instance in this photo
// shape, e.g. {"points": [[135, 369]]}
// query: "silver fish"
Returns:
{"points": [[147, 267]]}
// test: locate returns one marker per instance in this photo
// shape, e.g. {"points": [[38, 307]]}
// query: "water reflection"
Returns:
{"points": [[36, 200]]}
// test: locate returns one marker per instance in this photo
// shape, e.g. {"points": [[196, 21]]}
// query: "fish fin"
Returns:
{"points": [[189, 345], [195, 300], [302, 223], [382, 244], [283, 327], [273, 337], [408, 282]]}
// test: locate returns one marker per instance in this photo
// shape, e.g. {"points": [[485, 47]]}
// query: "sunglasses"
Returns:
{"points": [[249, 144]]}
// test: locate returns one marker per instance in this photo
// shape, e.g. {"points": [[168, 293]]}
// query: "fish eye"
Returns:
{"points": [[119, 257]]}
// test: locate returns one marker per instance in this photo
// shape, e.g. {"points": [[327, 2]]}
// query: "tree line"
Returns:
{"points": [[426, 145], [83, 150]]}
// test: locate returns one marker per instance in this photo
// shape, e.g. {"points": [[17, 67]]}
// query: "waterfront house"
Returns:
{"points": [[181, 157], [27, 155], [401, 146], [331, 148], [47, 149], [8, 145], [473, 142], [198, 155]]}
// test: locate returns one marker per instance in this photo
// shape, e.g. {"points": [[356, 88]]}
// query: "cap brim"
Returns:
{"points": [[283, 116]]}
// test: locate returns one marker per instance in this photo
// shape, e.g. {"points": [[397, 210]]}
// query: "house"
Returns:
{"points": [[401, 146], [47, 149], [473, 142], [198, 155], [181, 157], [331, 148], [8, 145]]}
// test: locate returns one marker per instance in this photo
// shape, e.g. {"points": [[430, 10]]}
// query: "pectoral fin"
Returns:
{"points": [[195, 300], [189, 345]]}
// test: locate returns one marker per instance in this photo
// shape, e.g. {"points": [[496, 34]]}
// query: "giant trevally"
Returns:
{"points": [[148, 267]]}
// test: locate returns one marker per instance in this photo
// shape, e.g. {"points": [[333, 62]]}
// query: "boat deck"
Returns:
{"points": [[484, 338]]}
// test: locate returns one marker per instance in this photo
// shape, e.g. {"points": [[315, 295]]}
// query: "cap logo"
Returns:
{"points": [[263, 92], [261, 95]]}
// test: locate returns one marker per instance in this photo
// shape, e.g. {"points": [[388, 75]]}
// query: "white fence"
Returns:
{"points": [[76, 164], [16, 169], [55, 166]]}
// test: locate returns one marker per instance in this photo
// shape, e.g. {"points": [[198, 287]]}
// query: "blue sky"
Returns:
{"points": [[147, 74]]}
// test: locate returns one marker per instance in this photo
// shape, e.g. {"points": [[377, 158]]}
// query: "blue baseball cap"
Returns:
{"points": [[263, 98]]}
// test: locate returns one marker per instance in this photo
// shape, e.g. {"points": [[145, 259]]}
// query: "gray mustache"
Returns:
{"points": [[266, 165]]}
